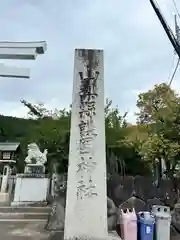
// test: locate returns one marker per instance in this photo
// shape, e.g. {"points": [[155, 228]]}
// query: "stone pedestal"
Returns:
{"points": [[86, 203], [4, 197], [6, 173], [34, 169], [30, 189]]}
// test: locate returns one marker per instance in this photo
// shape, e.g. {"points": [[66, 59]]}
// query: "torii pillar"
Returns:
{"points": [[17, 51]]}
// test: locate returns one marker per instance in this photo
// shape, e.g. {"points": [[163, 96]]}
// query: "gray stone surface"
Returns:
{"points": [[112, 214], [24, 209], [56, 218], [24, 214], [86, 204], [22, 231]]}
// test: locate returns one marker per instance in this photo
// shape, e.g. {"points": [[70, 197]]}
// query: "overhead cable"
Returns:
{"points": [[175, 5], [174, 72]]}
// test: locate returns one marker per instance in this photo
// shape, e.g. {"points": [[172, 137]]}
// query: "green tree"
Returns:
{"points": [[155, 104], [53, 133], [159, 110], [122, 151], [157, 148]]}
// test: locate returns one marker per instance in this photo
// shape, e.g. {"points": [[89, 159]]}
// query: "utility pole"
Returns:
{"points": [[174, 41], [177, 30]]}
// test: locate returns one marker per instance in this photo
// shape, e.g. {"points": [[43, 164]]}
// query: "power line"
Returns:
{"points": [[175, 5], [174, 72], [172, 66], [177, 28]]}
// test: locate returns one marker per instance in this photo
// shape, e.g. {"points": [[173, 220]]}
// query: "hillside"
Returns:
{"points": [[13, 129], [16, 129], [54, 135]]}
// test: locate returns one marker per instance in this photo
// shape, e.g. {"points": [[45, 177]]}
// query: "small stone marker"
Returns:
{"points": [[86, 203]]}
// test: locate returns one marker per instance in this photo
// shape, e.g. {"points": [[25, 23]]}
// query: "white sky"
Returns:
{"points": [[138, 53]]}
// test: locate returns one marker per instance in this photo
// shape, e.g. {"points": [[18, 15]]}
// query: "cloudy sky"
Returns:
{"points": [[138, 53]]}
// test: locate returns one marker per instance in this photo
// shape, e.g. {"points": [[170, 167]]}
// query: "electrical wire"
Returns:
{"points": [[175, 5], [172, 67], [170, 31], [174, 72]]}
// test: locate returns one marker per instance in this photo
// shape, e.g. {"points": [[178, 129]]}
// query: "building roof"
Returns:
{"points": [[9, 146]]}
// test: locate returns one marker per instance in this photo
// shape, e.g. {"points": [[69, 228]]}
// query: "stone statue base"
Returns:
{"points": [[4, 197], [34, 169], [30, 189]]}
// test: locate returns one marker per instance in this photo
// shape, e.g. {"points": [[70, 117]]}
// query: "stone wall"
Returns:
{"points": [[142, 192]]}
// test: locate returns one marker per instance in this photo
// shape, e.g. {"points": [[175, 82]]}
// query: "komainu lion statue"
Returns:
{"points": [[34, 153]]}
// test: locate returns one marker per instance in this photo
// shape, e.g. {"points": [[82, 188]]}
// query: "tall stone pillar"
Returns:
{"points": [[86, 203]]}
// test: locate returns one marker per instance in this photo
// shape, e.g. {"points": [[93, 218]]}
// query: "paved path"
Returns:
{"points": [[34, 231], [23, 231]]}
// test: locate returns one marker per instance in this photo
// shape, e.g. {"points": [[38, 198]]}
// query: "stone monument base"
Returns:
{"points": [[30, 189], [4, 197], [34, 169], [112, 235]]}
